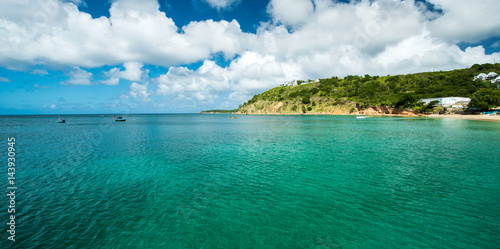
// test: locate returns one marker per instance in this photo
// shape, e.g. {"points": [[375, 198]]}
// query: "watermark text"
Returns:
{"points": [[11, 188]]}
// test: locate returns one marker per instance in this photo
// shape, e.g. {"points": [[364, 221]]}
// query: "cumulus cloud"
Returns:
{"points": [[3, 79], [466, 21], [78, 76], [326, 39], [135, 31], [139, 91], [78, 2], [133, 72], [250, 73], [290, 12], [202, 84], [111, 81], [303, 39], [222, 4]]}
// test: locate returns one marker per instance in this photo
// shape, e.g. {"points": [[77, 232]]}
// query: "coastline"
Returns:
{"points": [[477, 117], [495, 118]]}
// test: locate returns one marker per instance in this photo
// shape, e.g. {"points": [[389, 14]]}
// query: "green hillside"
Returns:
{"points": [[355, 93], [219, 111]]}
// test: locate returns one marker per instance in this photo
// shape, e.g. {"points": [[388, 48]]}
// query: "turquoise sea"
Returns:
{"points": [[208, 181]]}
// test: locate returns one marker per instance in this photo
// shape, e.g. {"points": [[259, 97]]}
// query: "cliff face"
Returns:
{"points": [[382, 110], [318, 106]]}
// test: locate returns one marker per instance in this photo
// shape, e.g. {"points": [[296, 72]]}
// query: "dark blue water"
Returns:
{"points": [[208, 181]]}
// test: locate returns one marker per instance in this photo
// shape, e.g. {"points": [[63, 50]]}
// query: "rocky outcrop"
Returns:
{"points": [[383, 110], [319, 106]]}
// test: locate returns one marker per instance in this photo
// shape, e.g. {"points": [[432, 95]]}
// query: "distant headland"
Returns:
{"points": [[430, 93], [219, 111]]}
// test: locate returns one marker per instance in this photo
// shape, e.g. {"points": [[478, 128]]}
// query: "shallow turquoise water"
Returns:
{"points": [[207, 181]]}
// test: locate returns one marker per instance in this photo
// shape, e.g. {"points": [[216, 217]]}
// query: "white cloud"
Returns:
{"points": [[78, 2], [424, 51], [133, 72], [247, 75], [465, 20], [209, 37], [39, 72], [305, 40], [111, 81], [139, 91], [3, 79], [137, 33], [78, 76], [202, 84], [58, 33], [53, 106], [222, 4], [380, 37], [290, 12]]}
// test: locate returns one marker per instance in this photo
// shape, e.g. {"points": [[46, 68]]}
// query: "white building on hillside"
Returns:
{"points": [[483, 76], [492, 75], [458, 102], [289, 83], [495, 81]]}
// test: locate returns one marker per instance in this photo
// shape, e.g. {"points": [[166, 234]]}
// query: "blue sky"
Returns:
{"points": [[149, 56]]}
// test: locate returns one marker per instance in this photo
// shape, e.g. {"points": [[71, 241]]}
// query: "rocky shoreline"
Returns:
{"points": [[405, 113]]}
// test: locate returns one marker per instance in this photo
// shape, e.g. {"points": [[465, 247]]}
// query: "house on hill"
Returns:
{"points": [[492, 75], [457, 102], [481, 76], [289, 83], [496, 81]]}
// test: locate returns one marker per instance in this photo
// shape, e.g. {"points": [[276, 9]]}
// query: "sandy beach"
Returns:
{"points": [[495, 118]]}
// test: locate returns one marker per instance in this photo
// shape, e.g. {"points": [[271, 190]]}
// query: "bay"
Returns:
{"points": [[208, 181]]}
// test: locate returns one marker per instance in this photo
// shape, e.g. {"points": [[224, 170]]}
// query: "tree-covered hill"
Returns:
{"points": [[355, 93]]}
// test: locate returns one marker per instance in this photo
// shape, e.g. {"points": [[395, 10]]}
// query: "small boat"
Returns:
{"points": [[360, 117], [119, 119], [60, 120], [234, 117]]}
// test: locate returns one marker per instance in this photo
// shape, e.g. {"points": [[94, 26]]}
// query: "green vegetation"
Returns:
{"points": [[220, 111], [400, 91], [485, 98]]}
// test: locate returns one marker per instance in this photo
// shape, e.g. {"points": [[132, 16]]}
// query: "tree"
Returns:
{"points": [[431, 105], [406, 101], [485, 99], [306, 100]]}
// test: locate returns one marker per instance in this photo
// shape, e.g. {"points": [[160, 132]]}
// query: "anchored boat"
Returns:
{"points": [[119, 119], [60, 120]]}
